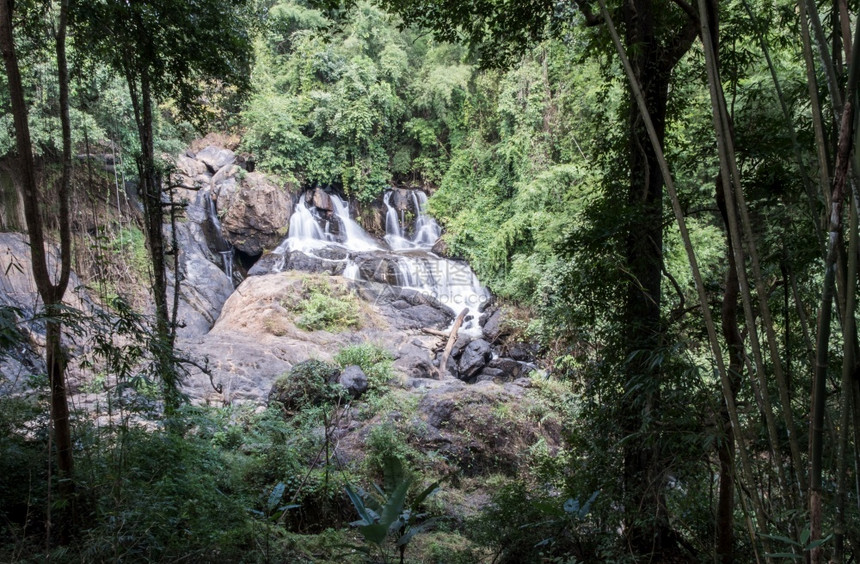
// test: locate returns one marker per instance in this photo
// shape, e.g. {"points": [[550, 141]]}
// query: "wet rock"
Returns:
{"points": [[330, 260], [459, 345], [521, 351], [354, 380], [490, 375], [492, 325], [215, 157], [377, 269], [423, 310], [321, 200], [511, 369], [474, 358], [415, 366], [440, 247], [203, 288]]}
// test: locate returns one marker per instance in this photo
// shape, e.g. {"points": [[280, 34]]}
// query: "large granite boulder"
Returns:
{"points": [[256, 214]]}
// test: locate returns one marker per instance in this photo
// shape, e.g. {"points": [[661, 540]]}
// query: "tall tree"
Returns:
{"points": [[51, 292], [657, 34], [165, 49]]}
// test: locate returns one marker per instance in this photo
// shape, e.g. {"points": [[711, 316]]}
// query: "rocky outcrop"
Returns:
{"points": [[253, 209], [22, 333], [203, 284], [474, 358], [255, 340], [354, 381], [257, 214]]}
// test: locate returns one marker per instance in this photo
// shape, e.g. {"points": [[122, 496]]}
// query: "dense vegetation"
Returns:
{"points": [[712, 415]]}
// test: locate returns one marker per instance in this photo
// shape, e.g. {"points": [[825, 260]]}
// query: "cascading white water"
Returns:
{"points": [[227, 261], [351, 272], [354, 237], [427, 231], [305, 233], [452, 283], [393, 232]]}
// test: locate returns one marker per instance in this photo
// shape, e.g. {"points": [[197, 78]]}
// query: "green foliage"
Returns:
{"points": [[323, 311], [309, 383], [384, 513], [373, 360], [351, 101]]}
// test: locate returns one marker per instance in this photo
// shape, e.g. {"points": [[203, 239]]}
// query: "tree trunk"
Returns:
{"points": [[50, 293], [643, 473], [150, 190], [726, 448]]}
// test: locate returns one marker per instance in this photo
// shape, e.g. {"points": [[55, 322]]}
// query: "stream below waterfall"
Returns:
{"points": [[330, 236]]}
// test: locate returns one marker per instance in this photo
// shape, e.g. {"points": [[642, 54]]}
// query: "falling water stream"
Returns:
{"points": [[451, 282]]}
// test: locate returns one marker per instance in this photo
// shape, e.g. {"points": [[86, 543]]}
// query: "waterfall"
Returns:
{"points": [[393, 232], [452, 283], [305, 233], [354, 237], [227, 261], [221, 243], [427, 231], [351, 272]]}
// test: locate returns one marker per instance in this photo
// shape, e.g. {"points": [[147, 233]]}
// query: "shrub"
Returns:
{"points": [[375, 361], [320, 309], [309, 383]]}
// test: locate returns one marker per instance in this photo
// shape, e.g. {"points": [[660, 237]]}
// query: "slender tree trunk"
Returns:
{"points": [[726, 448], [150, 190], [51, 294], [840, 179]]}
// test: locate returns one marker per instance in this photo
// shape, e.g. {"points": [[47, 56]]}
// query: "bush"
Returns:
{"points": [[375, 361], [324, 308], [309, 383]]}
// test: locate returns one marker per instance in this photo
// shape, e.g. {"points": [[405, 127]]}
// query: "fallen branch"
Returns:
{"points": [[435, 332], [443, 364]]}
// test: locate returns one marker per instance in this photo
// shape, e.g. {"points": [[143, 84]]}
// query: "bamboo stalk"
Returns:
{"points": [[746, 465]]}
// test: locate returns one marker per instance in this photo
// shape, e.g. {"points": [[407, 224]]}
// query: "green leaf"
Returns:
{"points": [[394, 505], [375, 533], [275, 496], [358, 503]]}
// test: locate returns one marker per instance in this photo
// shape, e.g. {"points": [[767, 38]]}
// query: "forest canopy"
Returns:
{"points": [[663, 194]]}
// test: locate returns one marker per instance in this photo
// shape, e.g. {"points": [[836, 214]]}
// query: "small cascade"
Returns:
{"points": [[427, 231], [354, 237], [452, 283], [227, 261], [393, 232], [305, 233], [351, 272], [221, 243]]}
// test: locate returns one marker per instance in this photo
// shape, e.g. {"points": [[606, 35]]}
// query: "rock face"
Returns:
{"points": [[203, 286], [255, 340], [257, 214], [253, 210], [22, 341]]}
